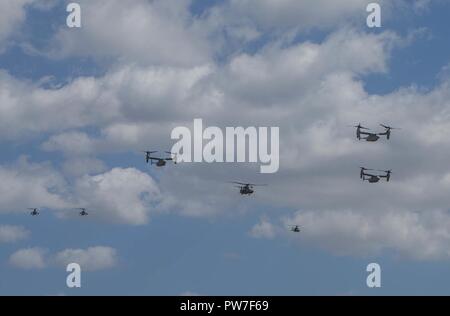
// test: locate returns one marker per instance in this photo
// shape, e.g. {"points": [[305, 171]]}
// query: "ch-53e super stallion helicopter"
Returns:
{"points": [[158, 161], [373, 137], [372, 178], [247, 188]]}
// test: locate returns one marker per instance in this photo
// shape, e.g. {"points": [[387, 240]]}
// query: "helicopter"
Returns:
{"points": [[159, 162], [247, 188], [294, 228], [83, 211], [373, 137], [371, 178], [34, 211]]}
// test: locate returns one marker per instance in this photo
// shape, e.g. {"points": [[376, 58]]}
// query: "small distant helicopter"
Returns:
{"points": [[159, 162], [372, 178], [247, 188], [294, 228], [34, 211], [373, 137], [83, 211]]}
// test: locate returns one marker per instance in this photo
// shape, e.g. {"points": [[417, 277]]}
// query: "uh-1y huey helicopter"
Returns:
{"points": [[159, 162], [372, 178], [373, 137], [247, 188]]}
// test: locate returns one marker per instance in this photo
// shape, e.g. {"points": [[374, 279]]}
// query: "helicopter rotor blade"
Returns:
{"points": [[389, 127], [387, 171]]}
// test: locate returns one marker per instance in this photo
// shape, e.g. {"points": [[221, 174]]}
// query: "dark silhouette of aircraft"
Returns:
{"points": [[372, 178], [158, 161], [83, 211], [294, 228], [247, 188], [34, 211]]}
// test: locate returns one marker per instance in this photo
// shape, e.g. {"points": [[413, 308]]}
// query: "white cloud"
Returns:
{"points": [[28, 259], [417, 235], [245, 20], [150, 32], [264, 229], [90, 259], [13, 14], [79, 166], [123, 95], [9, 234], [71, 143], [313, 90], [26, 184], [120, 195]]}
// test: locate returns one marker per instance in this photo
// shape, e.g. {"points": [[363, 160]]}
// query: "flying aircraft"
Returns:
{"points": [[294, 228], [34, 211], [83, 211], [372, 178], [247, 188], [158, 161], [387, 131], [370, 136]]}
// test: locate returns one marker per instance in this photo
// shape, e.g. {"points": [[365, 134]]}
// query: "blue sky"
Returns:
{"points": [[203, 240]]}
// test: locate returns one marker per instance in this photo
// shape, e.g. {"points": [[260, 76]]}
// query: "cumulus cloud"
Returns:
{"points": [[151, 32], [90, 259], [244, 21], [13, 16], [264, 229], [28, 259], [125, 196], [76, 167], [417, 235], [25, 184], [311, 89], [124, 94], [9, 233], [120, 195], [70, 143]]}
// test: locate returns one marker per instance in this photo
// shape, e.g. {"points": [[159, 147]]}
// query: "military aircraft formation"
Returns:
{"points": [[247, 189], [372, 178]]}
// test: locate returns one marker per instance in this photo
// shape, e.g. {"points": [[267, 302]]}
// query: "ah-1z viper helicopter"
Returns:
{"points": [[247, 188], [373, 137], [34, 211], [372, 178], [159, 162]]}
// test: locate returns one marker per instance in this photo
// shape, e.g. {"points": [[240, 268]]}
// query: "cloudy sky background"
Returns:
{"points": [[77, 106]]}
